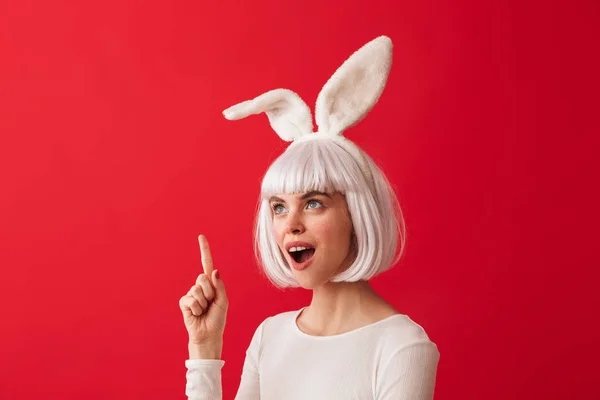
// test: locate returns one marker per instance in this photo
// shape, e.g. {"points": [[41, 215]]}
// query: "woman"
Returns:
{"points": [[328, 222]]}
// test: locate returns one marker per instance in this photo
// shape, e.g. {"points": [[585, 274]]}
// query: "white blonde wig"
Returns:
{"points": [[327, 161], [375, 213]]}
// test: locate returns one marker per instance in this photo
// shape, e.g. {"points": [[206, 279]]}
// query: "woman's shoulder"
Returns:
{"points": [[279, 320], [395, 328], [404, 328], [277, 323]]}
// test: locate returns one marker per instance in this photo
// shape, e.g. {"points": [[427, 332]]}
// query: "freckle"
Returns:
{"points": [[323, 226]]}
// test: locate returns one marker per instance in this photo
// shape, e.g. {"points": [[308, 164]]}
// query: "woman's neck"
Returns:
{"points": [[338, 307]]}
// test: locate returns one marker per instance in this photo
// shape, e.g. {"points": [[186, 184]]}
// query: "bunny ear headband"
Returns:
{"points": [[344, 100]]}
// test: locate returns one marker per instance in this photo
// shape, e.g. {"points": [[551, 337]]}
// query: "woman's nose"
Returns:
{"points": [[294, 223]]}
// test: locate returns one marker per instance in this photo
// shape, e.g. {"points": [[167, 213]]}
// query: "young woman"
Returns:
{"points": [[328, 222]]}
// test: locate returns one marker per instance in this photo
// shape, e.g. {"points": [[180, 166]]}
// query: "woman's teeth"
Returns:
{"points": [[299, 248]]}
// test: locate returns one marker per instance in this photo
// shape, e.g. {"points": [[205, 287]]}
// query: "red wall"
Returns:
{"points": [[114, 156]]}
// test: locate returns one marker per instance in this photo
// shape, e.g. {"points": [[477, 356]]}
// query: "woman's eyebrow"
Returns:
{"points": [[314, 193], [303, 197]]}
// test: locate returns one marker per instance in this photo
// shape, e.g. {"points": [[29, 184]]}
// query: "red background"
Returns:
{"points": [[114, 156]]}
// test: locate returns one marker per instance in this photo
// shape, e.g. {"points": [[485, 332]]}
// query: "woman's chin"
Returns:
{"points": [[308, 284], [310, 281]]}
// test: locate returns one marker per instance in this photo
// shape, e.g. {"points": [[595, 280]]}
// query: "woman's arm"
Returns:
{"points": [[204, 310], [204, 372], [410, 373]]}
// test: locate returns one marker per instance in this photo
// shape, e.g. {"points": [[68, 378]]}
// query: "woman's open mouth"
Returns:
{"points": [[301, 255]]}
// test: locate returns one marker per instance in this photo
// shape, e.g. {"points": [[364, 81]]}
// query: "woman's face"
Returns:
{"points": [[314, 233]]}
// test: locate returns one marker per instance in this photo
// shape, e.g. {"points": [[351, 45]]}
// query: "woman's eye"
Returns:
{"points": [[278, 208], [313, 204]]}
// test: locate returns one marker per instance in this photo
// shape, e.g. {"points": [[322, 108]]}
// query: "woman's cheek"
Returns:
{"points": [[323, 228], [277, 230]]}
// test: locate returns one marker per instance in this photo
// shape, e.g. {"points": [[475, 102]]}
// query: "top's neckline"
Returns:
{"points": [[339, 335]]}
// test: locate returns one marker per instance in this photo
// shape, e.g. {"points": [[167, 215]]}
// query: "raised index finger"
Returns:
{"points": [[207, 262]]}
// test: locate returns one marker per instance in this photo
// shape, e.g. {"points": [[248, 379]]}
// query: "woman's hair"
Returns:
{"points": [[326, 166], [326, 161]]}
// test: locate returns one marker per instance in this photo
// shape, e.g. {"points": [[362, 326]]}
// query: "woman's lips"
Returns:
{"points": [[299, 266]]}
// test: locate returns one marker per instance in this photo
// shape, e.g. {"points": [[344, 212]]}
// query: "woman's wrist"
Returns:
{"points": [[205, 351]]}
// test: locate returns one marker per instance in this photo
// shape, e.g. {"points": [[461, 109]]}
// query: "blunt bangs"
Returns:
{"points": [[320, 165]]}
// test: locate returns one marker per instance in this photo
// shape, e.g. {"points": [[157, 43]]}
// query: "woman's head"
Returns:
{"points": [[316, 192], [353, 227]]}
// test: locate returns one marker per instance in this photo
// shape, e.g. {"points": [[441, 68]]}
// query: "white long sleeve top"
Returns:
{"points": [[389, 359]]}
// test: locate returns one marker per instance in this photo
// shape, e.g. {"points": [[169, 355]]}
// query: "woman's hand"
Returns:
{"points": [[204, 307]]}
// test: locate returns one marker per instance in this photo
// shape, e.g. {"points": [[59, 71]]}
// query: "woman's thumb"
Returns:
{"points": [[221, 295]]}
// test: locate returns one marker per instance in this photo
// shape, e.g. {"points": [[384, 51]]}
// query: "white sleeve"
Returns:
{"points": [[204, 376], [409, 373], [203, 379]]}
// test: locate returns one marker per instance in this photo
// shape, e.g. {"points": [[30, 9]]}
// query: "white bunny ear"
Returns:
{"points": [[355, 87], [288, 114]]}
